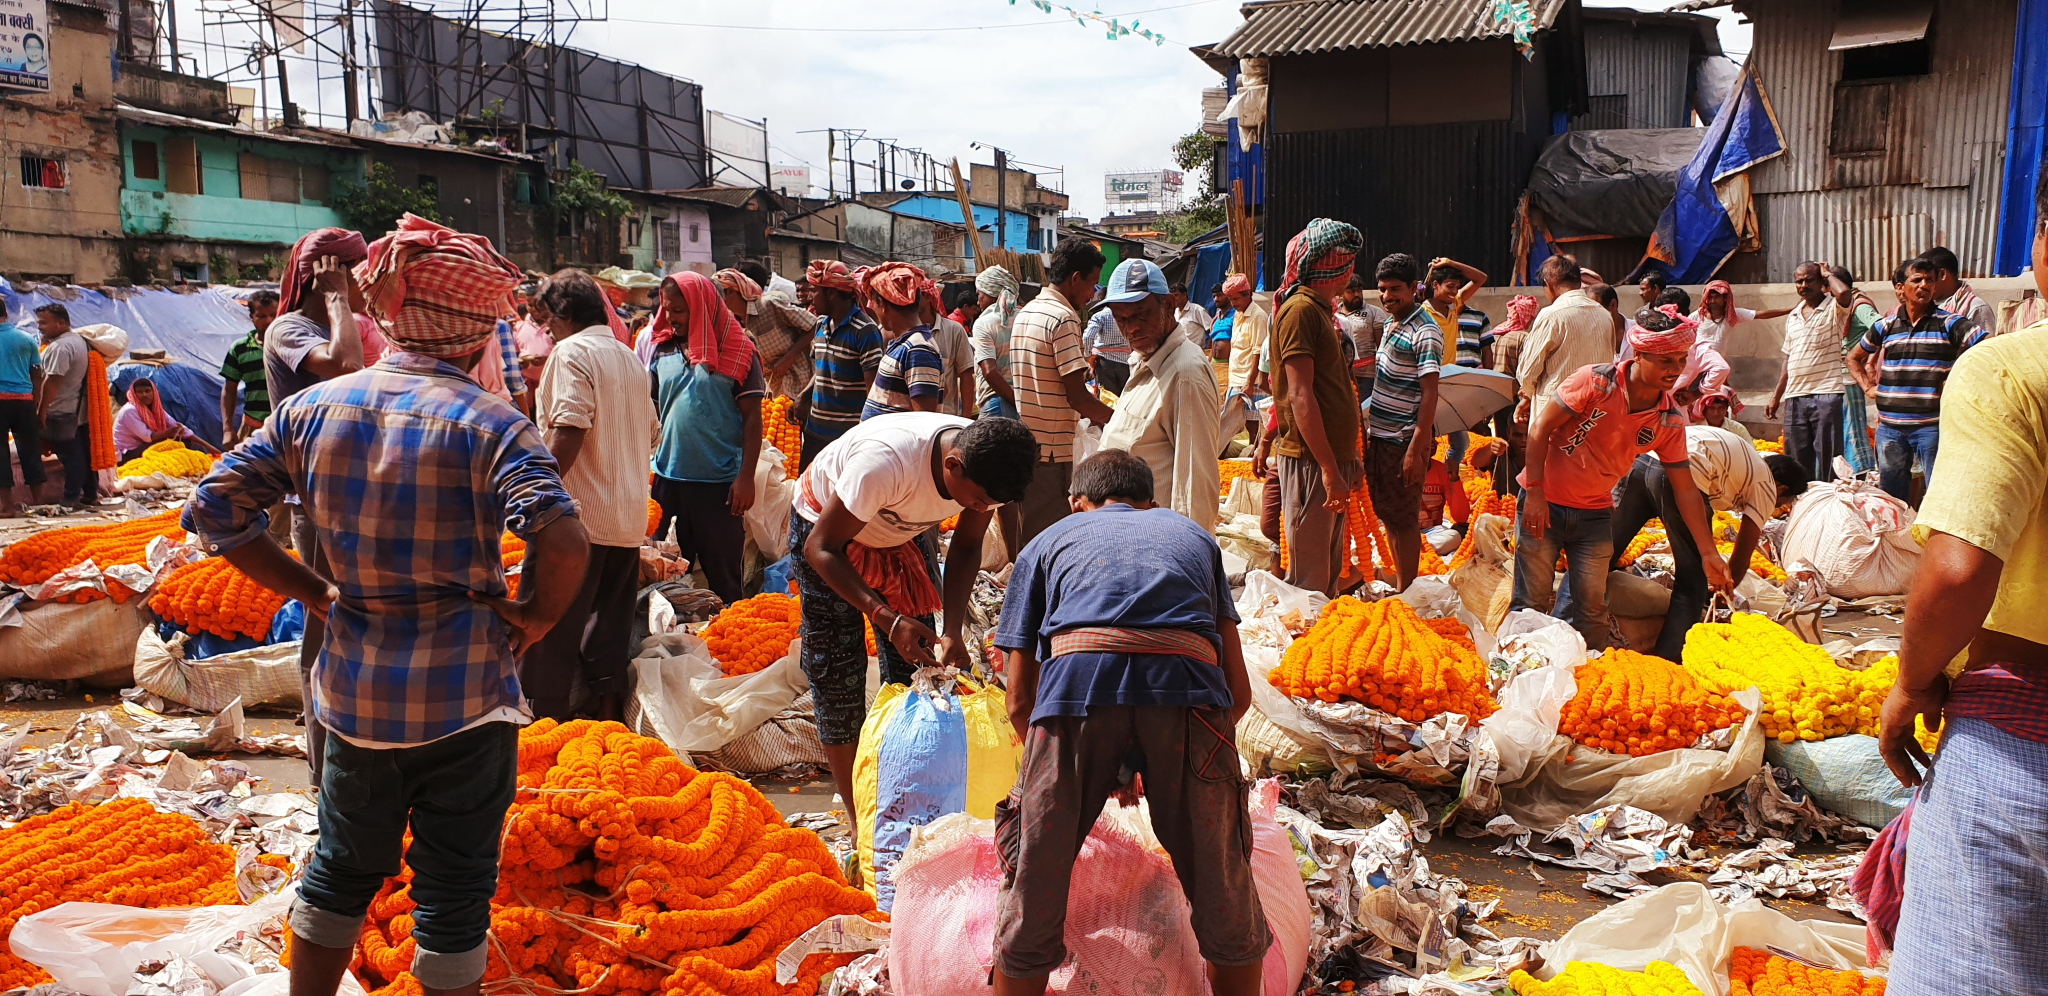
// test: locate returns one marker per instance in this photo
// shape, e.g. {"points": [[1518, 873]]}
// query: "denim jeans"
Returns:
{"points": [[996, 407], [453, 793], [1586, 537], [1646, 494], [1896, 448], [1813, 433]]}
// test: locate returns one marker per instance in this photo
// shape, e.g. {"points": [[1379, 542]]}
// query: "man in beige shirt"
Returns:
{"points": [[1573, 332], [597, 416], [1049, 376], [1248, 335], [1165, 416]]}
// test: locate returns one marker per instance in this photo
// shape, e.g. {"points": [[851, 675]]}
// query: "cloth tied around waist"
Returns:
{"points": [[1120, 640], [899, 574]]}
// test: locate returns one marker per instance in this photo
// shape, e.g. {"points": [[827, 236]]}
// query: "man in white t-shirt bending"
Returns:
{"points": [[866, 519]]}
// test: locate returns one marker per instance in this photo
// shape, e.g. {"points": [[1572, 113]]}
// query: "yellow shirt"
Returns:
{"points": [[1990, 486], [1247, 337]]}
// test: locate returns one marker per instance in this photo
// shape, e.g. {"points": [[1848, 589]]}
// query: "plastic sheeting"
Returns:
{"points": [[1610, 181], [191, 394]]}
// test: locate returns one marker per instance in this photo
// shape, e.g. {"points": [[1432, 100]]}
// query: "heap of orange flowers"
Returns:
{"points": [[626, 872], [212, 596], [1231, 470], [753, 633], [122, 852], [99, 411], [34, 559], [653, 516], [777, 430], [1634, 704], [1760, 973], [1382, 654]]}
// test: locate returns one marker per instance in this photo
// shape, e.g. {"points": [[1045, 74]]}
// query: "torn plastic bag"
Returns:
{"points": [[1680, 923], [1672, 784], [95, 948], [1432, 597], [1272, 612], [693, 706], [1845, 775], [768, 521], [1524, 728]]}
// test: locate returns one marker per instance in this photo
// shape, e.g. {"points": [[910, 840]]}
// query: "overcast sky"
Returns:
{"points": [[941, 74]]}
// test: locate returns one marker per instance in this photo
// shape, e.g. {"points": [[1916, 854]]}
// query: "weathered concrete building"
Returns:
{"points": [[60, 200]]}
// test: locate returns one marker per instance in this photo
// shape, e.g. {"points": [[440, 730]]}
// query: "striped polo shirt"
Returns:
{"points": [[1917, 360], [911, 368], [1410, 349], [1045, 346], [1474, 331], [846, 355]]}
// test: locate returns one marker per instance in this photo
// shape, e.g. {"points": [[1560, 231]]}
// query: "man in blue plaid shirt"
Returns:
{"points": [[409, 472]]}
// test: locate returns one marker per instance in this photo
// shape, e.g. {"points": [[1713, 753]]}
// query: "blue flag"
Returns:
{"points": [[1695, 235]]}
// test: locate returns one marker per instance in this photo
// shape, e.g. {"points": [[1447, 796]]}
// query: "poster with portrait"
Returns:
{"points": [[25, 45]]}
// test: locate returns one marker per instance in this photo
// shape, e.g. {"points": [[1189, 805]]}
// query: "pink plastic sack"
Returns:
{"points": [[1127, 919]]}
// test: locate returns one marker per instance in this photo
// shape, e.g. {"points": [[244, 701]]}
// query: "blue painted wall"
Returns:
{"points": [[946, 208]]}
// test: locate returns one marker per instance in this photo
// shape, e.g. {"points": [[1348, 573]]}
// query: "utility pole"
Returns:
{"points": [[284, 92], [348, 62], [831, 182], [171, 15], [1002, 185]]}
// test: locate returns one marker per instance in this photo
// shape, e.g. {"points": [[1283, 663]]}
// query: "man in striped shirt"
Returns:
{"points": [[1404, 389], [1905, 360], [1109, 351], [1049, 374], [1809, 395], [847, 352]]}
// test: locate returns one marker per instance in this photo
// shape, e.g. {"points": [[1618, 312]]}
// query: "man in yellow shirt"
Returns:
{"points": [[1976, 883]]}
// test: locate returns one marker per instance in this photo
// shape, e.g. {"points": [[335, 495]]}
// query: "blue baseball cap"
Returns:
{"points": [[1134, 280]]}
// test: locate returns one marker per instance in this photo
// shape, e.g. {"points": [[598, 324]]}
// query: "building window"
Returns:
{"points": [[1883, 62], [182, 173], [1036, 240], [633, 230], [694, 232], [1862, 119], [191, 273], [148, 164], [37, 171], [522, 189]]}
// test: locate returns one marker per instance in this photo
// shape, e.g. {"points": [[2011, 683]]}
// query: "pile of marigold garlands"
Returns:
{"points": [[212, 596], [1383, 655], [754, 632], [33, 559], [1634, 704], [169, 458], [1807, 696], [122, 852], [1760, 973], [627, 872], [1585, 978]]}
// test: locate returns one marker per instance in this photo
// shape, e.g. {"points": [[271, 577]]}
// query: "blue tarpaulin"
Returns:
{"points": [[2026, 141], [195, 328], [1695, 235], [1211, 263]]}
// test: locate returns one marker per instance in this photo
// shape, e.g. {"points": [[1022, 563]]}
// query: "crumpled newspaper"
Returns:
{"points": [[1360, 804], [1617, 844], [867, 975], [176, 977], [1773, 804], [1432, 753], [1772, 870], [99, 759], [30, 691], [835, 934], [1379, 907]]}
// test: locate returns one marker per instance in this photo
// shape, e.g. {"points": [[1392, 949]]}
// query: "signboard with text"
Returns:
{"points": [[25, 45], [1155, 190]]}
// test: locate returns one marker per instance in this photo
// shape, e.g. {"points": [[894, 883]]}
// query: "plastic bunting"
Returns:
{"points": [[1114, 28], [1516, 16]]}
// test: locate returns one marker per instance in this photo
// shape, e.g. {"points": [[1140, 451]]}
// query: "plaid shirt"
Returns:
{"points": [[410, 472]]}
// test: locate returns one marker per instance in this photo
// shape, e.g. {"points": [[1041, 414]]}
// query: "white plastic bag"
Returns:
{"points": [[1432, 597], [1672, 784], [1682, 924], [690, 703], [1272, 611], [1857, 537], [768, 521], [110, 341], [1087, 439], [1555, 640], [94, 948], [1524, 728]]}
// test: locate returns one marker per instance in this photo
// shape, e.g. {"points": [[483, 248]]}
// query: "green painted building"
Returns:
{"points": [[189, 180]]}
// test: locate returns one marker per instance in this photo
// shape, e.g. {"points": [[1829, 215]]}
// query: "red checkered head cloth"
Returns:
{"points": [[715, 339], [1677, 338], [442, 291], [897, 283]]}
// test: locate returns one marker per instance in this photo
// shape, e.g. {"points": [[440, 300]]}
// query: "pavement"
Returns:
{"points": [[1537, 900]]}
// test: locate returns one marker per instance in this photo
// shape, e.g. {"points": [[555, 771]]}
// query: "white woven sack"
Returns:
{"points": [[1857, 537], [267, 675]]}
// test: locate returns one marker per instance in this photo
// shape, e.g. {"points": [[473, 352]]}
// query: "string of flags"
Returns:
{"points": [[1516, 16], [1113, 28]]}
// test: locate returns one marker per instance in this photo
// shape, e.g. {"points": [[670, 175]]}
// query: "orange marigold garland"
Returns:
{"points": [[34, 559], [1760, 973], [627, 872], [777, 430], [212, 596], [1634, 704], [1384, 655], [122, 852], [99, 411], [653, 516], [753, 633]]}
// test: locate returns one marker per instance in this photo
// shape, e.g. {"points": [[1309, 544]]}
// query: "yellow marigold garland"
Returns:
{"points": [[1807, 696], [1585, 978], [627, 872], [777, 430], [169, 458]]}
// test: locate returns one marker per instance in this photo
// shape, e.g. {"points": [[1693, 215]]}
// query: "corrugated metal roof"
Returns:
{"points": [[1298, 27], [1699, 5]]}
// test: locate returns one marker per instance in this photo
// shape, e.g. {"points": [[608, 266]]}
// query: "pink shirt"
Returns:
{"points": [[1601, 438]]}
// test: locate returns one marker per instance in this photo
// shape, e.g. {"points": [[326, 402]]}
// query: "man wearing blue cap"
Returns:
{"points": [[1166, 415]]}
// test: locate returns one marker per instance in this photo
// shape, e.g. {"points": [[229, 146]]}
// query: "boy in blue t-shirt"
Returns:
{"points": [[21, 373]]}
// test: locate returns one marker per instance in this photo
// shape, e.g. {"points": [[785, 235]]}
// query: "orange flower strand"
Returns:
{"points": [[1386, 656], [753, 633]]}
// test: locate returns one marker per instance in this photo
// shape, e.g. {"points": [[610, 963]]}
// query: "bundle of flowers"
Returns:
{"points": [[1761, 973], [34, 559], [777, 430], [1807, 696], [1383, 655], [1585, 978], [1634, 704], [753, 633], [169, 458], [212, 596]]}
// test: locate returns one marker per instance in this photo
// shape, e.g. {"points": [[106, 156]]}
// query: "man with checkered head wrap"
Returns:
{"points": [[1317, 447]]}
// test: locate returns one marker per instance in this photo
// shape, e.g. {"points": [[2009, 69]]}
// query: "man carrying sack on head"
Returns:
{"points": [[409, 473]]}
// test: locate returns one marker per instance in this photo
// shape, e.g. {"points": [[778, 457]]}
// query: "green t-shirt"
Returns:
{"points": [[244, 365]]}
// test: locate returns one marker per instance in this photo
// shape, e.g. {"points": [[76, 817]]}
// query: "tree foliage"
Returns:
{"points": [[1192, 154], [580, 188], [375, 206]]}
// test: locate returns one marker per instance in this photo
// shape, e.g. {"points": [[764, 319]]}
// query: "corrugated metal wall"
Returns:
{"points": [[1946, 130], [1429, 190], [1649, 64]]}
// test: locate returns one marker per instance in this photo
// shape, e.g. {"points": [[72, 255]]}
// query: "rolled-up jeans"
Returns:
{"points": [[1586, 537], [453, 794]]}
